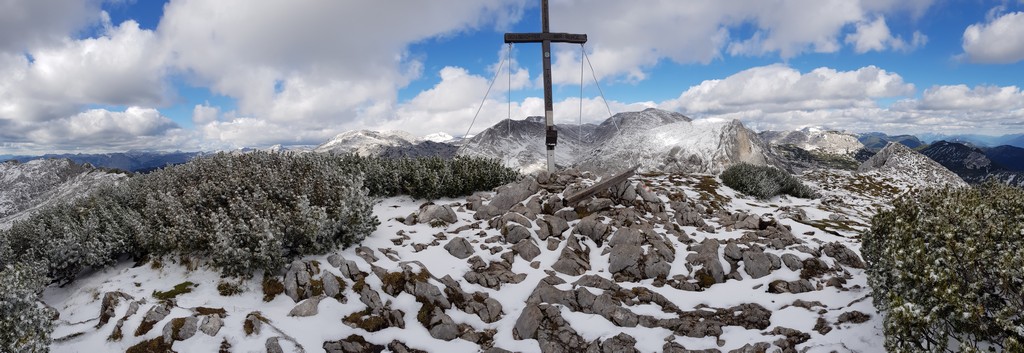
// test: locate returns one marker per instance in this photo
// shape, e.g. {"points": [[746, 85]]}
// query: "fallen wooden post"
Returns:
{"points": [[604, 184]]}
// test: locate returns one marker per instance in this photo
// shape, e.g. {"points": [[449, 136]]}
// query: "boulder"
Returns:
{"points": [[352, 344], [180, 329], [795, 287], [430, 213], [332, 285], [707, 256], [508, 196], [792, 262], [733, 251], [491, 275], [308, 307], [757, 264], [574, 259], [526, 249], [513, 233], [155, 314], [551, 226], [625, 259], [211, 325], [109, 304], [619, 344], [460, 248], [273, 346], [441, 326], [592, 228], [842, 254], [298, 280]]}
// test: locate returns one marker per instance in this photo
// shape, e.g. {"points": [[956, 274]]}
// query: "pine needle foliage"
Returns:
{"points": [[764, 182], [25, 323], [947, 269]]}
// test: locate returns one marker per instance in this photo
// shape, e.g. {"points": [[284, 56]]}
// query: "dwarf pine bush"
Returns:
{"points": [[764, 181], [947, 268], [243, 212], [25, 323]]}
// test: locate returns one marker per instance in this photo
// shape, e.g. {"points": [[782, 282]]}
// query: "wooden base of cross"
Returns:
{"points": [[545, 37]]}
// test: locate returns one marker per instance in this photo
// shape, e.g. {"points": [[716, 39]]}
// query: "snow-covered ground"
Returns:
{"points": [[833, 313]]}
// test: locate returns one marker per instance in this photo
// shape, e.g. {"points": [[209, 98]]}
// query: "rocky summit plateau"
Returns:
{"points": [[671, 262]]}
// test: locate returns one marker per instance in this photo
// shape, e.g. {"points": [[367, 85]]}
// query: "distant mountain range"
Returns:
{"points": [[874, 141], [975, 165], [1016, 140], [132, 161]]}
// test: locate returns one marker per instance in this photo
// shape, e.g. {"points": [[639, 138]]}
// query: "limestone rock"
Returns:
{"points": [[308, 307], [460, 248], [551, 226], [430, 213], [155, 314], [109, 304], [273, 346], [508, 196], [514, 233], [352, 344], [211, 325], [619, 343], [574, 259], [180, 329], [298, 281], [798, 286], [592, 228], [757, 264], [792, 262], [332, 285], [842, 254], [526, 249], [707, 256], [492, 275]]}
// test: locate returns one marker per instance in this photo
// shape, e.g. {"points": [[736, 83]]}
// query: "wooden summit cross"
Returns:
{"points": [[545, 37]]}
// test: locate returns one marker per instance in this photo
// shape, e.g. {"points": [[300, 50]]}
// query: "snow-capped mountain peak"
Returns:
{"points": [[439, 137], [366, 142]]}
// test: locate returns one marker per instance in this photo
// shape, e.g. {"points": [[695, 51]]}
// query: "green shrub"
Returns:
{"points": [[947, 268], [430, 177], [764, 181], [25, 324], [243, 212]]}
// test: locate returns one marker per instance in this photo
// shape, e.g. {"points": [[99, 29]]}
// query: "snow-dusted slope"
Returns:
{"points": [[703, 146], [906, 166], [25, 187], [520, 143], [816, 139], [663, 263], [365, 142]]}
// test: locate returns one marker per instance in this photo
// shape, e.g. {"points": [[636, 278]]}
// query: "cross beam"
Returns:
{"points": [[546, 38]]}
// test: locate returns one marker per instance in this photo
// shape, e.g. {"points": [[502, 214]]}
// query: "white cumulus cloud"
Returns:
{"points": [[627, 38], [997, 41], [781, 88]]}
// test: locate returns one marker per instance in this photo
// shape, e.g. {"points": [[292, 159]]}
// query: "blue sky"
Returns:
{"points": [[92, 75]]}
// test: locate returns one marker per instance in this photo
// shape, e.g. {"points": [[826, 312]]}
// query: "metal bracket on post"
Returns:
{"points": [[552, 138]]}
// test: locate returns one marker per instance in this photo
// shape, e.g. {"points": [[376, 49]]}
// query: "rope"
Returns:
{"points": [[509, 56], [579, 137], [481, 107], [598, 84]]}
